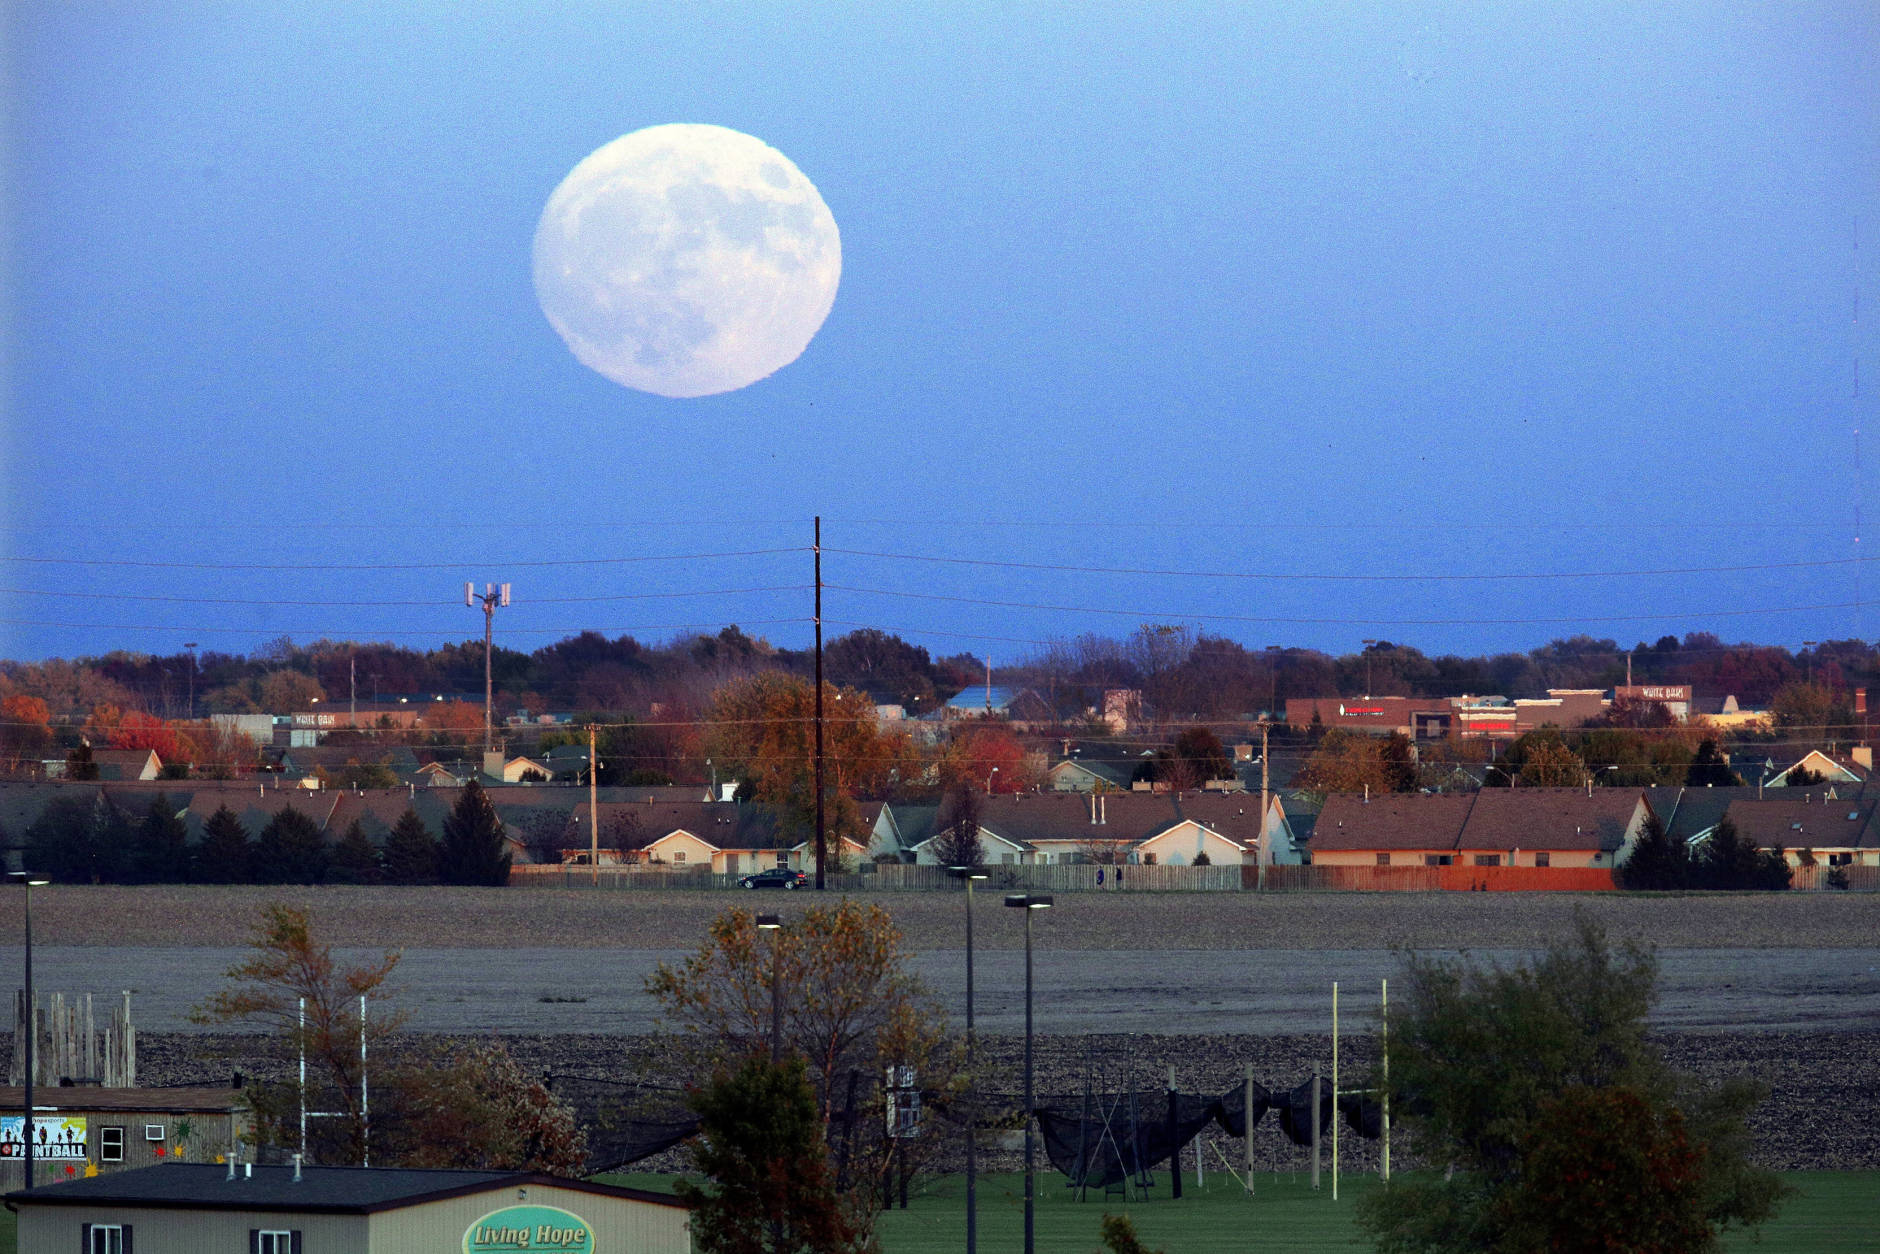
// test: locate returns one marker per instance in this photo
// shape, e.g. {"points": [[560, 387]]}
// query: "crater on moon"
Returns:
{"points": [[686, 260]]}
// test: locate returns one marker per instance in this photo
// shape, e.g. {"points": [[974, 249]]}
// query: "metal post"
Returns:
{"points": [[776, 1000], [819, 710], [1315, 1125], [32, 1032], [1173, 1126], [972, 1105], [1334, 1090], [300, 1037], [1030, 1232], [489, 690], [365, 1098], [1383, 999], [1246, 1106]]}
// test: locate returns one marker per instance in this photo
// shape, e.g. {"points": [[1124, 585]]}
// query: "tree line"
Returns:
{"points": [[89, 839]]}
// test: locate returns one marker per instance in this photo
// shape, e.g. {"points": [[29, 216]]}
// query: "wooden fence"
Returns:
{"points": [[896, 877]]}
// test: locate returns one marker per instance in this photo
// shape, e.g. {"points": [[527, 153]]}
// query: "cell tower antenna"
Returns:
{"points": [[494, 596]]}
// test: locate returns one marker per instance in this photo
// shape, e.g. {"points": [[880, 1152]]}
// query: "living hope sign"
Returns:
{"points": [[529, 1228]]}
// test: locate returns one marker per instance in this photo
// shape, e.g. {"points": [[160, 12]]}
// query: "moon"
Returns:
{"points": [[686, 260]]}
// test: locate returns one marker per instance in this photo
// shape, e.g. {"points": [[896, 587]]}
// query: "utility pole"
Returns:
{"points": [[191, 646], [819, 709], [594, 810], [494, 596], [352, 692], [1263, 853]]}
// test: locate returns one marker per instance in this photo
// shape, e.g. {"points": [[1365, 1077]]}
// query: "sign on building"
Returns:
{"points": [[529, 1228], [55, 1137]]}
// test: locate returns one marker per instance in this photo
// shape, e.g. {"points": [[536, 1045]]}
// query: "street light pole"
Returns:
{"points": [[191, 646], [969, 874], [30, 881], [1028, 902], [772, 924], [1367, 667]]}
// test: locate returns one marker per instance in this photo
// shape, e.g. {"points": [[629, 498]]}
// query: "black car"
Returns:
{"points": [[775, 877]]}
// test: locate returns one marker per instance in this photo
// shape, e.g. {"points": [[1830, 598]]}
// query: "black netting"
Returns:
{"points": [[1295, 1112], [1363, 1113], [1117, 1135], [624, 1122], [1233, 1112]]}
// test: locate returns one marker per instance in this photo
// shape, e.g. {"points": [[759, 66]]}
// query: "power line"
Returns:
{"points": [[426, 566], [274, 601], [441, 631], [1277, 576]]}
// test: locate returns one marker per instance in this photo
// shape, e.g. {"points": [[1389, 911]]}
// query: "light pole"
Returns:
{"points": [[191, 646], [1028, 902], [1368, 644], [989, 775], [969, 874], [1810, 646], [772, 924], [30, 881], [1272, 673]]}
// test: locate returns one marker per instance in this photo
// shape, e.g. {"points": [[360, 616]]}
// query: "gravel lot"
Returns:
{"points": [[456, 918]]}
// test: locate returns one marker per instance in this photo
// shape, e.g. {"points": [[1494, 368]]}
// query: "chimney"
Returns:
{"points": [[297, 1169], [248, 1171], [1863, 756], [233, 1158], [1093, 809], [1103, 807], [1860, 700]]}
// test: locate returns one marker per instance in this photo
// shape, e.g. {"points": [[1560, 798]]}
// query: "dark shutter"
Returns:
{"points": [[296, 1241], [84, 1239], [254, 1241], [127, 1239]]}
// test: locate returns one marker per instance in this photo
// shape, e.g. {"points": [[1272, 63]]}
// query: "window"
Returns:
{"points": [[273, 1241], [1488, 859], [678, 856], [1439, 859], [110, 1145], [1148, 859], [1543, 858], [105, 1239], [1383, 859]]}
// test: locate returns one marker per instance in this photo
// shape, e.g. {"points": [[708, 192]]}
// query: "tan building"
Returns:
{"points": [[186, 1208]]}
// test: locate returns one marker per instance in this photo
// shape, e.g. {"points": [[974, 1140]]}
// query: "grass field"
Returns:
{"points": [[1832, 1213]]}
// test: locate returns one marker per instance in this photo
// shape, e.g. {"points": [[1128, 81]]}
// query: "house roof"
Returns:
{"points": [[720, 824], [1347, 821], [189, 1100], [1688, 813], [1115, 774], [339, 1190], [1549, 818], [116, 764], [1066, 817], [1809, 821]]}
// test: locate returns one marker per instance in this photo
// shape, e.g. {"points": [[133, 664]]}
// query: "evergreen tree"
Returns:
{"points": [[1709, 770], [160, 849], [224, 853], [291, 850], [79, 764], [473, 851], [1658, 862], [768, 1186], [68, 841], [410, 851], [1730, 861], [355, 861]]}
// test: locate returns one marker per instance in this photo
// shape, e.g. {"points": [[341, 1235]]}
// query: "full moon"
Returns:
{"points": [[686, 260]]}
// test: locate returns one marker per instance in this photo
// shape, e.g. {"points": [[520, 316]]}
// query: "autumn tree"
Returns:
{"points": [[224, 853], [410, 851], [137, 730], [25, 733], [290, 850], [473, 1107], [768, 1187], [474, 851], [987, 756], [1347, 761], [1504, 1073], [291, 988], [286, 691], [850, 1006], [762, 728]]}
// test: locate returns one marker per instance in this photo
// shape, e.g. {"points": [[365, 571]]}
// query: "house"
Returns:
{"points": [[1089, 775], [996, 701], [1390, 829], [1530, 827], [1144, 827], [119, 765], [188, 1208], [1814, 828], [92, 1130], [1557, 827], [516, 770], [1831, 769]]}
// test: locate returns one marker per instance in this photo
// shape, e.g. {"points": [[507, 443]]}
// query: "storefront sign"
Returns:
{"points": [[529, 1228], [60, 1137]]}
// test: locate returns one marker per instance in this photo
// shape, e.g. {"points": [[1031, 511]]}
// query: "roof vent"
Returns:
{"points": [[297, 1169]]}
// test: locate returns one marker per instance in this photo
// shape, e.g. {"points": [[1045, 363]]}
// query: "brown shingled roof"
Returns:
{"points": [[1391, 821], [1809, 821], [1550, 818]]}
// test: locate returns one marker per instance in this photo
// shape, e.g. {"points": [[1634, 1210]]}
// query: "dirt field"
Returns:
{"points": [[455, 918]]}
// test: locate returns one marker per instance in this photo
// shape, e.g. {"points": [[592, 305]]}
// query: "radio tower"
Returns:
{"points": [[494, 595]]}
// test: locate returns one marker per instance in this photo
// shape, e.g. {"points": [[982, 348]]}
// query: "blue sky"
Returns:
{"points": [[1491, 293]]}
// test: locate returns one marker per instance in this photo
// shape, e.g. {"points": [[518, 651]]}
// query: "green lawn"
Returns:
{"points": [[1832, 1213]]}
